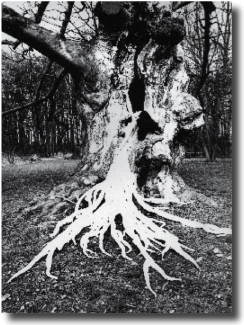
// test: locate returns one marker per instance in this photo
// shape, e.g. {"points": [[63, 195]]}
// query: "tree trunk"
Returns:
{"points": [[125, 74], [132, 101]]}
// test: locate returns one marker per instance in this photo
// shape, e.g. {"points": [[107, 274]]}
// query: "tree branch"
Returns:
{"points": [[41, 8], [49, 96], [57, 83], [38, 17], [21, 108], [43, 79], [67, 18], [179, 4], [69, 55]]}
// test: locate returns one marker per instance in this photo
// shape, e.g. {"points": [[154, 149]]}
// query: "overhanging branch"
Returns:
{"points": [[38, 17], [72, 57]]}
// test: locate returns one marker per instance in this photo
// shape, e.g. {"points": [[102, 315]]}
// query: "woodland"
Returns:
{"points": [[129, 89]]}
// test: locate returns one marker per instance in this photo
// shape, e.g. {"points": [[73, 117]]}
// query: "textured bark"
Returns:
{"points": [[133, 66], [133, 103]]}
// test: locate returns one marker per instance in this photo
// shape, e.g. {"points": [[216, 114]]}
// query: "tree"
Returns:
{"points": [[208, 48], [47, 128], [130, 93]]}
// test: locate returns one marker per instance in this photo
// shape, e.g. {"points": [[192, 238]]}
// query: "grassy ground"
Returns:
{"points": [[112, 284]]}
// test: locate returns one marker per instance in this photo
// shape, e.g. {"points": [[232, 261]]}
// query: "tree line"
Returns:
{"points": [[47, 127]]}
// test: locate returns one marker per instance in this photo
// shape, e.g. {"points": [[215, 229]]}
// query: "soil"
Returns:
{"points": [[113, 284]]}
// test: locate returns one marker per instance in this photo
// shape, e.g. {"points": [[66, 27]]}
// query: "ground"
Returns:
{"points": [[113, 284]]}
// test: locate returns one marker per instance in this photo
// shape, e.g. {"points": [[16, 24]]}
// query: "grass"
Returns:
{"points": [[112, 284]]}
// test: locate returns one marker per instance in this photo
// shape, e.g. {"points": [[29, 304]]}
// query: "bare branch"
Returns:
{"points": [[21, 108], [57, 83], [43, 79], [179, 4], [208, 8], [38, 17], [67, 18], [41, 9], [71, 56], [49, 96]]}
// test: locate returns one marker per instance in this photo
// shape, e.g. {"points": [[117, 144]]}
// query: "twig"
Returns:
{"points": [[67, 200], [48, 96]]}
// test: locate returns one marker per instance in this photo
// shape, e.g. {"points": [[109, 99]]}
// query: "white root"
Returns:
{"points": [[160, 201], [185, 222], [61, 223], [108, 199]]}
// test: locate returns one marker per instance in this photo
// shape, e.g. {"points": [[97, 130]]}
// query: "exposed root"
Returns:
{"points": [[104, 204], [61, 200], [96, 211], [185, 222]]}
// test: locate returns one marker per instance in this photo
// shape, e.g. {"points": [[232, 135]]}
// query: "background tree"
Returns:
{"points": [[46, 127], [130, 89], [208, 48]]}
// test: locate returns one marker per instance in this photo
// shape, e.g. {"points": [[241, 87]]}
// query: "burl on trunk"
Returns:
{"points": [[133, 106]]}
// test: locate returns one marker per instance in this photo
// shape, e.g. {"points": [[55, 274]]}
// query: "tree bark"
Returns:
{"points": [[132, 68], [132, 109]]}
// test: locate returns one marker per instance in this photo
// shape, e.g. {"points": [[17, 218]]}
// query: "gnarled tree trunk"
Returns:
{"points": [[131, 94]]}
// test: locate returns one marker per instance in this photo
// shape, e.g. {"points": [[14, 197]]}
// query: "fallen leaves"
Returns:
{"points": [[5, 297], [216, 250], [204, 300], [199, 259]]}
